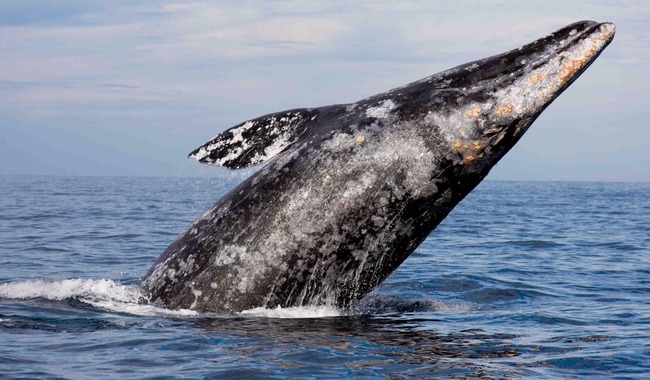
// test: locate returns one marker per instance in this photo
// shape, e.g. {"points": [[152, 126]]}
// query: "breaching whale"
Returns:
{"points": [[349, 191]]}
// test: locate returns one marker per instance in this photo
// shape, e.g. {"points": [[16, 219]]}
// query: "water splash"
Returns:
{"points": [[115, 297], [112, 296], [104, 294], [58, 290], [294, 312]]}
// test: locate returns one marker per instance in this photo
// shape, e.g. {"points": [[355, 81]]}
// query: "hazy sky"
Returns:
{"points": [[113, 88]]}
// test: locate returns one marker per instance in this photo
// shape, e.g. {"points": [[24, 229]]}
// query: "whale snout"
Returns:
{"points": [[578, 51], [608, 28], [581, 28], [504, 94]]}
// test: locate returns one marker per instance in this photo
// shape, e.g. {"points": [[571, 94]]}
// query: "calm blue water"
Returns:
{"points": [[522, 280]]}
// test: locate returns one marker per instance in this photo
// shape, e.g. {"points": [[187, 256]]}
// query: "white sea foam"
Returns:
{"points": [[115, 297], [71, 288], [294, 312], [451, 306], [140, 309], [105, 294]]}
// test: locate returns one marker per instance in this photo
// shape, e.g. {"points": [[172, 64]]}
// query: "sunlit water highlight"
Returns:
{"points": [[522, 280]]}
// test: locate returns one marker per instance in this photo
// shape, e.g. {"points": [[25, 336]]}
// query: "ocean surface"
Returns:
{"points": [[522, 280]]}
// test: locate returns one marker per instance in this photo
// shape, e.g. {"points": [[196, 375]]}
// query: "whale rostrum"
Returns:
{"points": [[348, 191]]}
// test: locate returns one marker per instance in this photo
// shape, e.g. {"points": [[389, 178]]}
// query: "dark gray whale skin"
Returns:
{"points": [[349, 191]]}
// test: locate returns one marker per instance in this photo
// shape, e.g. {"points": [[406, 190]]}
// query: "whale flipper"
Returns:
{"points": [[256, 140]]}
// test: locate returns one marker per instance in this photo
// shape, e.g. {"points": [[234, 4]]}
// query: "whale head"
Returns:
{"points": [[496, 99]]}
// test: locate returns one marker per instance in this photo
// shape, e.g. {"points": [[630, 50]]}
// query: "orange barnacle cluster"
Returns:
{"points": [[473, 113], [469, 150], [504, 109], [536, 77]]}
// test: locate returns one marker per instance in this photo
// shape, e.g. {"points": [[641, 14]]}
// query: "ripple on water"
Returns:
{"points": [[522, 280]]}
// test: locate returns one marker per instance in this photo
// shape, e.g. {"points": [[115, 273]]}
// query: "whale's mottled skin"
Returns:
{"points": [[349, 191]]}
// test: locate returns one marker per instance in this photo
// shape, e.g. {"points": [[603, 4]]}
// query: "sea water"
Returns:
{"points": [[522, 280]]}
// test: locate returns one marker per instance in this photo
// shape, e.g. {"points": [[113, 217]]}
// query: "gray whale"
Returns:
{"points": [[349, 191]]}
